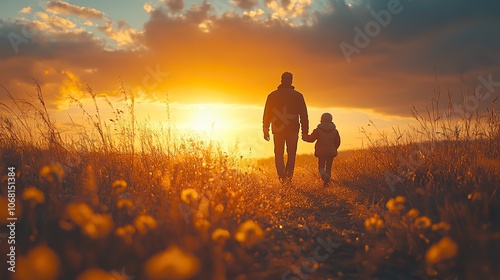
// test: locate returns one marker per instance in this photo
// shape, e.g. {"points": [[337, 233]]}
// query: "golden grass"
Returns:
{"points": [[147, 205]]}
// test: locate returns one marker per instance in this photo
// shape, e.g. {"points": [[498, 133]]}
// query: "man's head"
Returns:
{"points": [[326, 117], [286, 78]]}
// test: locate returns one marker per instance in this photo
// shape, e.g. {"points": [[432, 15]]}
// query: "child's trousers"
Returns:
{"points": [[325, 167]]}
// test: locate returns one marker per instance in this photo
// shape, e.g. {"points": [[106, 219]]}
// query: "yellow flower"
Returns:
{"points": [[396, 205], [144, 223], [445, 249], [77, 213], [33, 195], [219, 208], [422, 222], [93, 225], [173, 263], [249, 233], [126, 232], [119, 186], [52, 173], [202, 224], [124, 203], [441, 226], [413, 213], [40, 263], [99, 226], [374, 224], [189, 196], [220, 234]]}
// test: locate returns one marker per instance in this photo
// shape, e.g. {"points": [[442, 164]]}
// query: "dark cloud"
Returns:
{"points": [[245, 4], [175, 5], [243, 58]]}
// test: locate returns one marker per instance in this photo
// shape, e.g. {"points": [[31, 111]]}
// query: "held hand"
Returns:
{"points": [[266, 136]]}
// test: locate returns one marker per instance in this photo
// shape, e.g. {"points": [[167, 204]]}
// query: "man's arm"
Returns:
{"points": [[266, 119], [304, 119]]}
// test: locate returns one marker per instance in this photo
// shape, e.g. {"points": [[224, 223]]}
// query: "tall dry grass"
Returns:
{"points": [[118, 197], [435, 193]]}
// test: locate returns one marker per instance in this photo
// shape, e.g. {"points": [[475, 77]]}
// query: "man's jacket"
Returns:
{"points": [[285, 111]]}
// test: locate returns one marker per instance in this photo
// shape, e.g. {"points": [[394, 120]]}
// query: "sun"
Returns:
{"points": [[207, 118]]}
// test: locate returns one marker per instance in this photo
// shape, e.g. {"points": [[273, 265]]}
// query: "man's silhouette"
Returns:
{"points": [[285, 107]]}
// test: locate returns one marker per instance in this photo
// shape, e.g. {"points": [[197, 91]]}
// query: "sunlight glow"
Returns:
{"points": [[207, 119]]}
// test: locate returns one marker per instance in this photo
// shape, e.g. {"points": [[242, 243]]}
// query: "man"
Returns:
{"points": [[284, 109]]}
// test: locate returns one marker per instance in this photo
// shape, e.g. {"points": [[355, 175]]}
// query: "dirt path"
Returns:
{"points": [[317, 237]]}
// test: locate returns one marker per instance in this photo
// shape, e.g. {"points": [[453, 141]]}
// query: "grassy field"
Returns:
{"points": [[422, 204]]}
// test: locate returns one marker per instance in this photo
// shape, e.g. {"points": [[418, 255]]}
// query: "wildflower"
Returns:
{"points": [[410, 216], [219, 208], [202, 224], [99, 226], [249, 233], [119, 186], [189, 196], [41, 263], [124, 203], [413, 213], [220, 235], [396, 205], [374, 224], [33, 195], [173, 263], [422, 222], [443, 250], [441, 226], [144, 223], [52, 173], [125, 232], [76, 213]]}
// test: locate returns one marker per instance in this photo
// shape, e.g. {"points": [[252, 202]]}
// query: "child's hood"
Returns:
{"points": [[327, 126]]}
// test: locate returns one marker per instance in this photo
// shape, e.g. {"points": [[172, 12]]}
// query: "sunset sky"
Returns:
{"points": [[216, 61]]}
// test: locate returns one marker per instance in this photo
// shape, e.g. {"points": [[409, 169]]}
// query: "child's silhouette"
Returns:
{"points": [[327, 140]]}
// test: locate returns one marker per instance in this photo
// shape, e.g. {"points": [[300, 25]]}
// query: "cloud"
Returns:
{"points": [[255, 14], [64, 8], [288, 9], [25, 10], [175, 5], [245, 4], [148, 8], [54, 22], [123, 35]]}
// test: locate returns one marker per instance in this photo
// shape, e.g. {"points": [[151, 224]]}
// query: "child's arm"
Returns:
{"points": [[312, 137]]}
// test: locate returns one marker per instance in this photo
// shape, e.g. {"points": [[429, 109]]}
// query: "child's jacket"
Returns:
{"points": [[327, 139]]}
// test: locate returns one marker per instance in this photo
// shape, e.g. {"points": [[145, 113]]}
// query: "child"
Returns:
{"points": [[327, 140]]}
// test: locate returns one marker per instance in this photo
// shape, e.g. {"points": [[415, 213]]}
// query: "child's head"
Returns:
{"points": [[326, 117]]}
